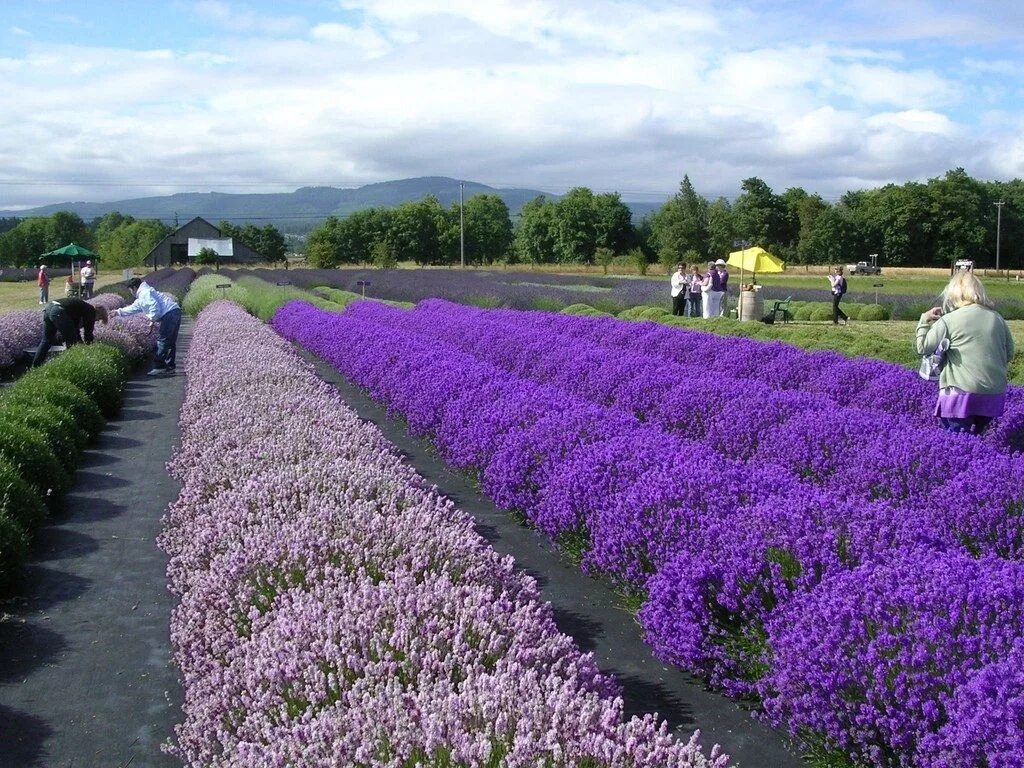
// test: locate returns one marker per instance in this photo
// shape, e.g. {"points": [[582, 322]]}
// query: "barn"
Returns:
{"points": [[182, 244]]}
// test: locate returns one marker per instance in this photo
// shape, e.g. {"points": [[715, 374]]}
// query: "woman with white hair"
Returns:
{"points": [[972, 381]]}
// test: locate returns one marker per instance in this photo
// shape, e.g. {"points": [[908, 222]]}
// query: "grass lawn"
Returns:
{"points": [[26, 295]]}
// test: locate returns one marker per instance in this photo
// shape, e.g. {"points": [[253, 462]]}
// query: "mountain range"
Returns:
{"points": [[295, 211]]}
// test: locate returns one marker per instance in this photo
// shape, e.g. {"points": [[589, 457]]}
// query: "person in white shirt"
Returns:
{"points": [[163, 311], [680, 287], [88, 275]]}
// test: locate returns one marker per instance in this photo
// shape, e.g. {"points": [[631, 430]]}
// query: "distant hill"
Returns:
{"points": [[290, 211], [296, 211]]}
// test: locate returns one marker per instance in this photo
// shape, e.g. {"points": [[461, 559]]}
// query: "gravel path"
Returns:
{"points": [[86, 677]]}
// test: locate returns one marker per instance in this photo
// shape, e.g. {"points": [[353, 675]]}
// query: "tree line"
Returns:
{"points": [[122, 242], [929, 223]]}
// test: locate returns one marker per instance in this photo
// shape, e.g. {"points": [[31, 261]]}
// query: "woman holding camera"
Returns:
{"points": [[972, 382]]}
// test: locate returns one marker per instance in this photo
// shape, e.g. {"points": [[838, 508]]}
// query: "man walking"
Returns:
{"points": [[838, 291], [163, 311]]}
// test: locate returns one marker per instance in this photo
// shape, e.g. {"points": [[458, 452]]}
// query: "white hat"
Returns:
{"points": [[89, 263], [720, 261]]}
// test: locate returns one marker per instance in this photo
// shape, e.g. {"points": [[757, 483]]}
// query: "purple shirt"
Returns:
{"points": [[716, 281], [954, 403]]}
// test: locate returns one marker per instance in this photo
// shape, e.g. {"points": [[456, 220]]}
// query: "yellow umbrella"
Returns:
{"points": [[755, 260]]}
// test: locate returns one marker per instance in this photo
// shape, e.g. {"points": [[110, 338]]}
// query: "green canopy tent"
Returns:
{"points": [[72, 253]]}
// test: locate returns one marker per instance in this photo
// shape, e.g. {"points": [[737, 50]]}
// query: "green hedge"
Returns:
{"points": [[46, 418]]}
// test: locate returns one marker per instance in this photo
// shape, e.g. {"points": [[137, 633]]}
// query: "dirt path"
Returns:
{"points": [[588, 610], [86, 677]]}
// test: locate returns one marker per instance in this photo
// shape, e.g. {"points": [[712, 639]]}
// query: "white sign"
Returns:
{"points": [[222, 246]]}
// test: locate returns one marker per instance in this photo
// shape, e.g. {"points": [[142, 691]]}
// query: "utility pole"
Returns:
{"points": [[462, 224], [999, 226]]}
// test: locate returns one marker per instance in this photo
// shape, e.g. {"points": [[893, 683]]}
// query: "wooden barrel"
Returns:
{"points": [[751, 305]]}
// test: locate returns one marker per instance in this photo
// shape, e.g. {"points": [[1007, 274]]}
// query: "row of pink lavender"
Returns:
{"points": [[21, 329], [334, 610], [822, 548]]}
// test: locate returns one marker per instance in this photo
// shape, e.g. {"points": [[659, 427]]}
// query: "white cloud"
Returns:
{"points": [[611, 94]]}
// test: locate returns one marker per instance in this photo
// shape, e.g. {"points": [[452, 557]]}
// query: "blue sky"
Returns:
{"points": [[110, 100]]}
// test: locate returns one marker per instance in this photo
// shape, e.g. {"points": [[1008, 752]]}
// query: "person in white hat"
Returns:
{"points": [[723, 279], [43, 281], [88, 275]]}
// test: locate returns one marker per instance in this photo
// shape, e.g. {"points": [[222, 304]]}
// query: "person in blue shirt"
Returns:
{"points": [[162, 311]]}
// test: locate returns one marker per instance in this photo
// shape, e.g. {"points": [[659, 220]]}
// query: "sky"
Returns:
{"points": [[112, 100]]}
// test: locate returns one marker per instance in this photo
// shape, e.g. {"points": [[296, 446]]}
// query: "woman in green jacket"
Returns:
{"points": [[972, 382]]}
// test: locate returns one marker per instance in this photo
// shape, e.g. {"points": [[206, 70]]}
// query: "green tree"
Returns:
{"points": [[681, 225], [761, 216], [613, 222], [536, 236], [576, 223], [206, 256], [66, 227], [721, 229], [488, 229], [419, 231], [834, 238], [959, 211], [130, 242]]}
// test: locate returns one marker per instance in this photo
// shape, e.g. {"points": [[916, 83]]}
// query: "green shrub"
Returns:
{"points": [[100, 374], [912, 311], [338, 296], [34, 387], [204, 291], [18, 500], [654, 313], [634, 313], [547, 303], [873, 312], [118, 289], [584, 310], [484, 301], [607, 305], [1011, 311], [33, 460], [802, 312], [56, 425], [821, 313], [13, 550]]}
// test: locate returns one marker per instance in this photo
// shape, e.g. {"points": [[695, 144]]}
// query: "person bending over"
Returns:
{"points": [[162, 311], [70, 317]]}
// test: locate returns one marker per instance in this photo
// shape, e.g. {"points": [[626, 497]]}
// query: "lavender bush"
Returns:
{"points": [[820, 466], [334, 610]]}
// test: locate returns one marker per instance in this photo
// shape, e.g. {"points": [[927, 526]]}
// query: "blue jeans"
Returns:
{"points": [[693, 305], [167, 339], [973, 425]]}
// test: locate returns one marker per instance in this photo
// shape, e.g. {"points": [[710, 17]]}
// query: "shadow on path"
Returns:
{"points": [[86, 677]]}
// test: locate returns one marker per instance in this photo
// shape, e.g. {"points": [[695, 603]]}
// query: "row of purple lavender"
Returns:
{"points": [[334, 610], [799, 530]]}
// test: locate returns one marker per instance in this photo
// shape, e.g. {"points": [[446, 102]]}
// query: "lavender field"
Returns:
{"points": [[334, 610], [796, 529]]}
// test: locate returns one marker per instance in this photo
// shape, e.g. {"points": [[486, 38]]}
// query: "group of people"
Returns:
{"points": [[700, 294], [87, 278], [74, 319]]}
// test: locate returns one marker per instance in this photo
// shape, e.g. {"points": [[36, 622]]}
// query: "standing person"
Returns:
{"points": [[43, 281], [693, 294], [723, 277], [66, 316], [972, 381], [88, 275], [713, 291], [162, 310], [838, 283], [679, 290]]}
